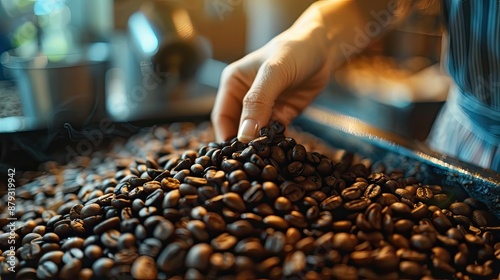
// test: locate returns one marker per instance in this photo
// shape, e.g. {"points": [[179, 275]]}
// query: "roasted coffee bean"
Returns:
{"points": [[331, 203], [296, 219], [403, 226], [102, 267], [254, 194], [357, 204], [351, 193], [344, 241], [274, 243], [291, 190], [139, 271], [421, 242], [234, 201], [199, 256], [163, 230], [198, 230], [372, 191], [93, 252], [53, 256], [424, 194], [324, 219], [251, 248], [410, 268], [47, 270], [214, 222], [269, 173], [282, 204], [275, 222]]}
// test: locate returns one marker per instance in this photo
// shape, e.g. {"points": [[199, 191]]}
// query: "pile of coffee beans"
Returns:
{"points": [[269, 209]]}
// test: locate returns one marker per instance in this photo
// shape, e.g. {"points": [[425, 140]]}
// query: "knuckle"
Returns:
{"points": [[254, 100]]}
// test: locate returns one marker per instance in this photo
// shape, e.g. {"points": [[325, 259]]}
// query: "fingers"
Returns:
{"points": [[235, 83], [258, 103]]}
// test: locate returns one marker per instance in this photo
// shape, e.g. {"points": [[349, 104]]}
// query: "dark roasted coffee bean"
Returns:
{"points": [[275, 222], [403, 226], [53, 256], [254, 194], [139, 271], [269, 173], [198, 229], [324, 219], [440, 220], [291, 190], [251, 248], [199, 256], [479, 270], [344, 241], [331, 203], [424, 194], [234, 201], [357, 204], [274, 243], [296, 219], [351, 193], [93, 252], [102, 267], [372, 191], [214, 222], [47, 270], [282, 204], [72, 254], [163, 230], [421, 242], [410, 268], [110, 238]]}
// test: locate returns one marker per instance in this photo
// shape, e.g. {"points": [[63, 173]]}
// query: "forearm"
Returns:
{"points": [[350, 25]]}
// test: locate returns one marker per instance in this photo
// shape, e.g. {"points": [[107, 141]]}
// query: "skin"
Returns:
{"points": [[279, 80]]}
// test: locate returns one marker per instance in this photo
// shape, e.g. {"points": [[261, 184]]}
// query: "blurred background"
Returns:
{"points": [[91, 71]]}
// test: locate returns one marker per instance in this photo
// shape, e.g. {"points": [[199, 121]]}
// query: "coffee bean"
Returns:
{"points": [[275, 222], [163, 230], [291, 190], [296, 219], [171, 259], [26, 273], [324, 219], [410, 268], [421, 242], [144, 267], [198, 230], [254, 194], [357, 204], [331, 203], [214, 222], [110, 238], [424, 194], [251, 248], [47, 270], [199, 256], [106, 225], [234, 201], [93, 252], [102, 267]]}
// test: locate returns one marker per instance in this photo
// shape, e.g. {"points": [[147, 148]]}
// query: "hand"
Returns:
{"points": [[277, 81]]}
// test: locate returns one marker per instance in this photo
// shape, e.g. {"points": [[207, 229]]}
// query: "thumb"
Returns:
{"points": [[271, 80]]}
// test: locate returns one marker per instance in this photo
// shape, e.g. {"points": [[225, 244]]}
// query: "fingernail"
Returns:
{"points": [[248, 130]]}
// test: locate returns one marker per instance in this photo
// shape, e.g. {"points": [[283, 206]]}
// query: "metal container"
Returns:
{"points": [[70, 90]]}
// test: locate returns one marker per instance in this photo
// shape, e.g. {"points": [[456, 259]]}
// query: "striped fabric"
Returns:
{"points": [[468, 127]]}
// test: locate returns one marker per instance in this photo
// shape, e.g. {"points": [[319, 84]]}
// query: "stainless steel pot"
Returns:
{"points": [[69, 90]]}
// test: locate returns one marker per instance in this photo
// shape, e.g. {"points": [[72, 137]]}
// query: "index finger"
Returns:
{"points": [[235, 82]]}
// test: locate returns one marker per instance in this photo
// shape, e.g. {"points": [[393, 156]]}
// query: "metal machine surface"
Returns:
{"points": [[414, 158]]}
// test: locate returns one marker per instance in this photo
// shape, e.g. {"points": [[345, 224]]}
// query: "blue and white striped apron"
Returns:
{"points": [[468, 126]]}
